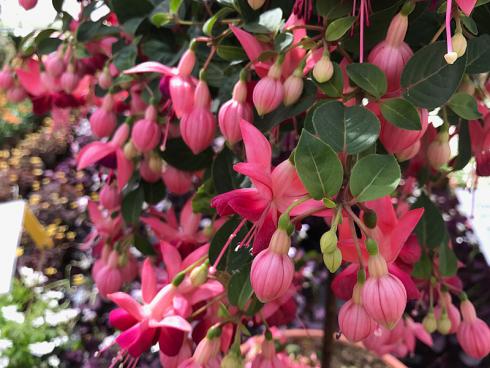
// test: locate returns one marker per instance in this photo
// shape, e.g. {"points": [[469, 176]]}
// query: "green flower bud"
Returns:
{"points": [[444, 324], [333, 260], [232, 360], [430, 323], [199, 275], [328, 242], [370, 219]]}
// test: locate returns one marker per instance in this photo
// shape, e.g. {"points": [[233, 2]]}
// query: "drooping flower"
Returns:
{"points": [[480, 144], [438, 151], [145, 134], [103, 121], [473, 333], [28, 4], [177, 181], [269, 91], [267, 358], [110, 197]]}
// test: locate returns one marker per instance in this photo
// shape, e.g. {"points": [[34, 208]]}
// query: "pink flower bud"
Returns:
{"points": [[6, 79], [293, 88], [101, 262], [354, 321], [256, 4], [184, 353], [103, 121], [147, 173], [186, 63], [109, 278], [110, 198], [199, 126], [69, 80], [268, 357], [409, 152], [451, 310], [146, 132], [384, 297], [137, 104], [55, 66], [28, 4], [269, 91], [130, 269], [105, 79], [206, 350], [51, 83], [233, 111], [177, 181], [16, 94], [323, 69], [473, 334], [180, 89], [121, 135], [438, 151], [272, 270]]}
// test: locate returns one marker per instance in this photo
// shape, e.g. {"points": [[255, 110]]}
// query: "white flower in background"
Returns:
{"points": [[4, 362], [31, 278], [52, 303], [88, 315], [38, 322], [63, 316], [41, 348], [10, 313], [5, 344], [53, 294], [54, 361], [60, 340]]}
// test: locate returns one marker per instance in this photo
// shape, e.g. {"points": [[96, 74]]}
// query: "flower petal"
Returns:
{"points": [[92, 153], [126, 302], [151, 67], [257, 147], [148, 281], [171, 258]]}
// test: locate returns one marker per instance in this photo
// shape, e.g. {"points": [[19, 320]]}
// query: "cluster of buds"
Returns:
{"points": [[332, 256]]}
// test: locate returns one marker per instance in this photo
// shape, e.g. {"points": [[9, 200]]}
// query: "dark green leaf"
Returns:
{"points": [[48, 45], [240, 288], [423, 268], [89, 30], [132, 205], [154, 192], [142, 243], [478, 52], [269, 21], [332, 9], [335, 86], [126, 57], [369, 77], [160, 19], [349, 129], [464, 106], [254, 307], [430, 230], [181, 157], [207, 28], [318, 166], [464, 147], [469, 24], [401, 113], [201, 201], [127, 9], [157, 50], [338, 28], [224, 177], [175, 5], [374, 176], [58, 5], [283, 41], [231, 53], [448, 263], [431, 84]]}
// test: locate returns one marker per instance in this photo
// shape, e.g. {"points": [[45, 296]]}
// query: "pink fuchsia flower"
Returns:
{"points": [[184, 353], [473, 333], [272, 270], [69, 79], [466, 6], [145, 134], [384, 297], [438, 151], [280, 311], [104, 226], [269, 91], [28, 4], [207, 351], [198, 127], [105, 79], [233, 111], [414, 330], [354, 321], [109, 278], [16, 94], [293, 87], [103, 121], [177, 181], [6, 79], [267, 358], [110, 197], [273, 191], [150, 173], [393, 53], [480, 144], [96, 151], [445, 305], [55, 65]]}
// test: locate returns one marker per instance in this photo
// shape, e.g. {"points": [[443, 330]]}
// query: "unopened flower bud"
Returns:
{"points": [[323, 69], [459, 44], [155, 163], [130, 150], [328, 242], [370, 219], [444, 324], [256, 4], [199, 274], [333, 260], [438, 151], [293, 88], [232, 360], [430, 323]]}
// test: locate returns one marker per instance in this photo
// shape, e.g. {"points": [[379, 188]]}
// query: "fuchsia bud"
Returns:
{"points": [[6, 79], [121, 135], [409, 152], [323, 69], [272, 270], [269, 91], [69, 80], [438, 151], [384, 297], [181, 86], [177, 181], [137, 104], [16, 94], [110, 198], [267, 357], [473, 333], [354, 321], [233, 111], [55, 66], [208, 348], [28, 4], [446, 304], [293, 87], [256, 4], [146, 132], [148, 173], [199, 126], [105, 79], [109, 278], [103, 121]]}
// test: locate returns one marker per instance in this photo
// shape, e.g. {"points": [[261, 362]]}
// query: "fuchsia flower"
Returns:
{"points": [[108, 277], [269, 91], [268, 357], [55, 65], [103, 121], [393, 53], [145, 134], [97, 151], [480, 144], [6, 79], [69, 80], [105, 227], [148, 173], [177, 181], [198, 127], [28, 4], [473, 333], [453, 314], [110, 197], [207, 351], [273, 190], [233, 111], [272, 270], [16, 94]]}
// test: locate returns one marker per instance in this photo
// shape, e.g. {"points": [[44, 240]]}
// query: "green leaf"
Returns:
{"points": [[231, 53], [89, 30], [268, 121], [233, 258], [283, 41], [430, 230], [349, 129], [332, 9], [154, 192], [207, 28], [175, 6], [127, 9], [158, 51], [160, 19], [126, 57], [369, 77], [224, 177], [240, 288], [58, 5], [318, 166], [374, 176], [254, 307], [201, 201], [478, 52], [464, 106], [335, 86], [132, 205], [401, 113], [469, 24], [338, 28], [48, 45], [464, 147], [423, 268], [448, 263], [181, 157], [428, 80], [142, 243], [269, 21]]}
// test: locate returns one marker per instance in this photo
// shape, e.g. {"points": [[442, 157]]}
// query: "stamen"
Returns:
{"points": [[361, 34], [448, 26], [230, 238]]}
